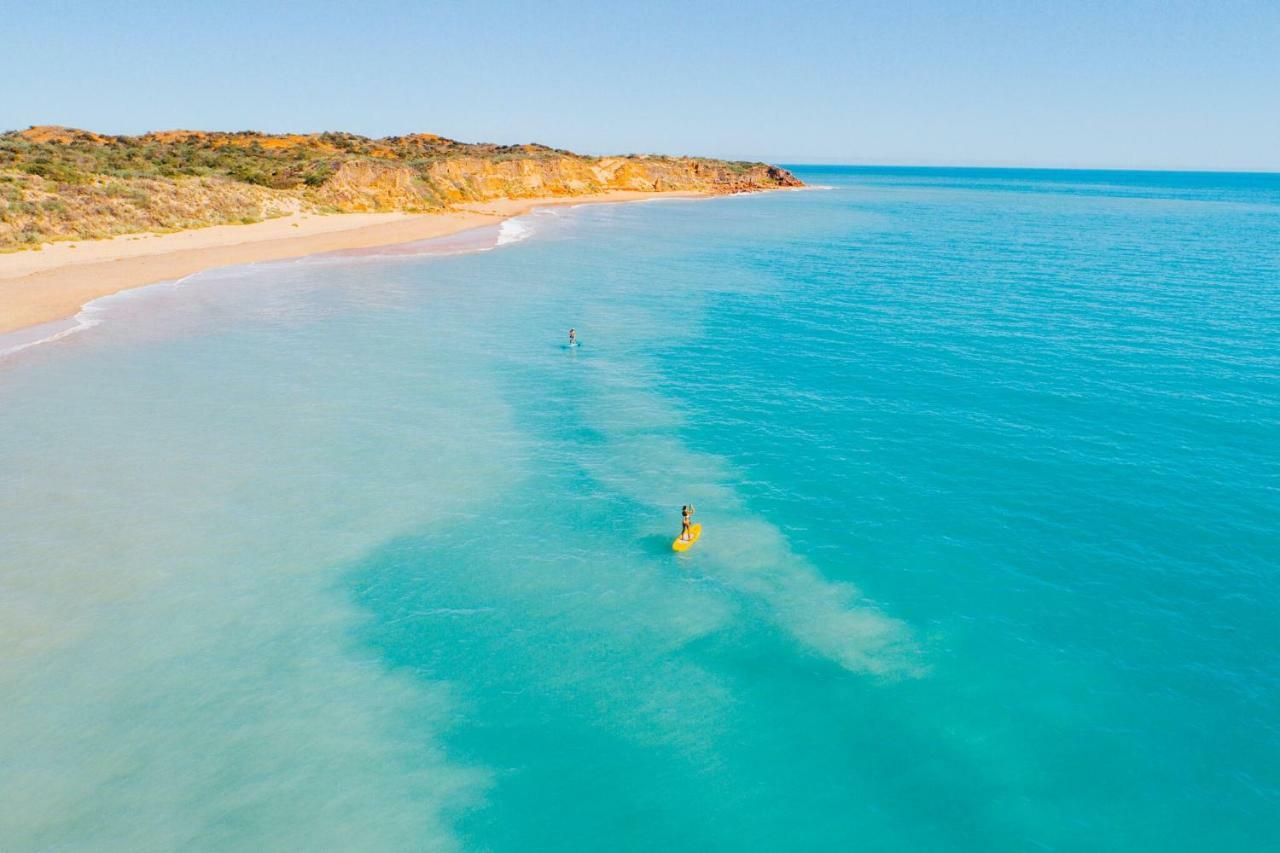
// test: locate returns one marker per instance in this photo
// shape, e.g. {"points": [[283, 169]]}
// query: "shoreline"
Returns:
{"points": [[42, 287]]}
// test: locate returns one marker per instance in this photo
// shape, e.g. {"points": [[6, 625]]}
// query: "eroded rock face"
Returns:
{"points": [[363, 186], [380, 186]]}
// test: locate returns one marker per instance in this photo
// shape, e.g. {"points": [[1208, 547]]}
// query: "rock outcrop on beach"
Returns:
{"points": [[60, 183]]}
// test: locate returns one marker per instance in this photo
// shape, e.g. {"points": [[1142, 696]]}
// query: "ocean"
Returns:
{"points": [[352, 552]]}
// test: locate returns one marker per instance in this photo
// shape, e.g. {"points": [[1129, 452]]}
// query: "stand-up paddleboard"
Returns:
{"points": [[685, 544]]}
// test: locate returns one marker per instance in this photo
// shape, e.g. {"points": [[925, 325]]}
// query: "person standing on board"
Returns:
{"points": [[573, 338], [686, 521]]}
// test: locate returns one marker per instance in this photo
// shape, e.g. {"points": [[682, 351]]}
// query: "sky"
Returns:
{"points": [[1160, 85]]}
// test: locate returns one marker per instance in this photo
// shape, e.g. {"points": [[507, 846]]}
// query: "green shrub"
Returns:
{"points": [[61, 173]]}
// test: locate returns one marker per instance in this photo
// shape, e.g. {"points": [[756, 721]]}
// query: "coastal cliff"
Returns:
{"points": [[62, 184]]}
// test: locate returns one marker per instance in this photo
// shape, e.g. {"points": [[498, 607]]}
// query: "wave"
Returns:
{"points": [[89, 315], [15, 342], [513, 231]]}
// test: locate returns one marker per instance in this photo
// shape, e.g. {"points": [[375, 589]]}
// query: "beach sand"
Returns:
{"points": [[39, 287]]}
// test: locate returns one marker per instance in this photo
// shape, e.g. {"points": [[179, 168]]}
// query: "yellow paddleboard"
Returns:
{"points": [[684, 544]]}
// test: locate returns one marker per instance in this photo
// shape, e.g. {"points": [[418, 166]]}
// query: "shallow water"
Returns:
{"points": [[351, 552]]}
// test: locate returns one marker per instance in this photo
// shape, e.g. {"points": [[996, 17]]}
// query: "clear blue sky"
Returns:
{"points": [[1122, 84]]}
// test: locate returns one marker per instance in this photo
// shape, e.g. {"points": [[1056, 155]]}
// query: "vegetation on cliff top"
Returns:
{"points": [[59, 183]]}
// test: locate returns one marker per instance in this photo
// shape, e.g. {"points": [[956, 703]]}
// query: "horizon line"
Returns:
{"points": [[1181, 170]]}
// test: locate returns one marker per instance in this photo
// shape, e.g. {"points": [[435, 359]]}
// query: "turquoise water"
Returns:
{"points": [[351, 553]]}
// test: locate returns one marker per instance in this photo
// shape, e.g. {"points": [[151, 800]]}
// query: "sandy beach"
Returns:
{"points": [[55, 282]]}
